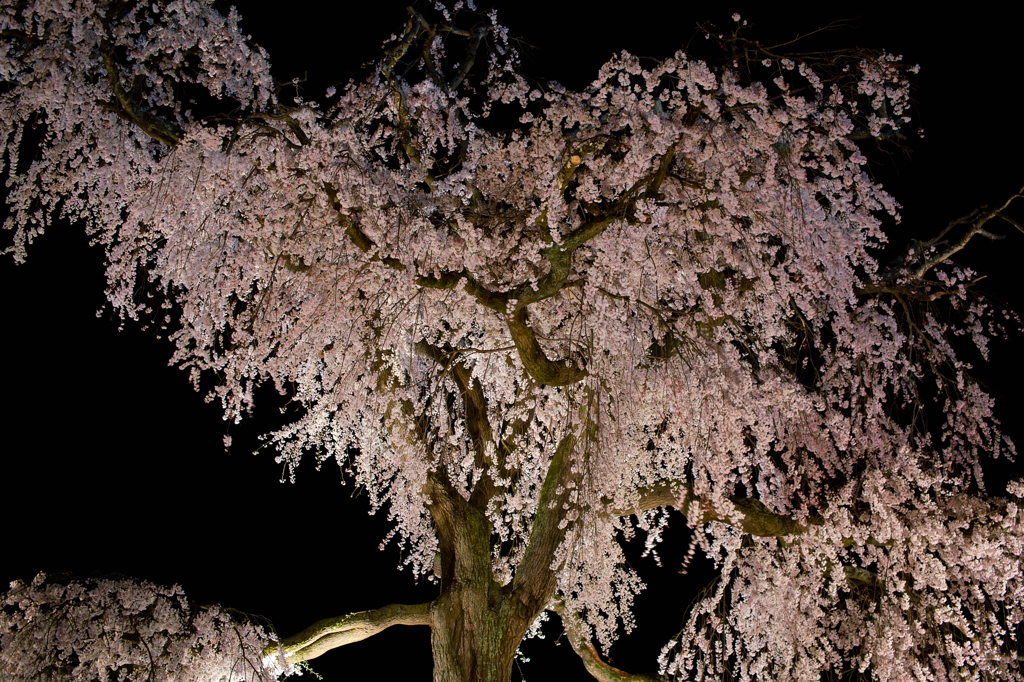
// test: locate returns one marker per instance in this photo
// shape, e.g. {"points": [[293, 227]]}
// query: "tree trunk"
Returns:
{"points": [[476, 623], [476, 631]]}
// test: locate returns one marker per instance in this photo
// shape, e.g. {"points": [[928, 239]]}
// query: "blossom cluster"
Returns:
{"points": [[910, 578], [127, 630]]}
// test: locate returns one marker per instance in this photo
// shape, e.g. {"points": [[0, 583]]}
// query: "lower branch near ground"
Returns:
{"points": [[331, 633]]}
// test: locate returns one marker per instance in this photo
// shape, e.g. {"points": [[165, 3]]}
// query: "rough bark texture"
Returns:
{"points": [[477, 629]]}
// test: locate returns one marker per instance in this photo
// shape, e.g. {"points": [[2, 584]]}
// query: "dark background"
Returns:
{"points": [[112, 464]]}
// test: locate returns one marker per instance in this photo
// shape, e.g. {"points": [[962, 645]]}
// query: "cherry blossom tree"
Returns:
{"points": [[527, 320]]}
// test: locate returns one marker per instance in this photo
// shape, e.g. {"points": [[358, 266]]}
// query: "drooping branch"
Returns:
{"points": [[598, 668], [332, 633]]}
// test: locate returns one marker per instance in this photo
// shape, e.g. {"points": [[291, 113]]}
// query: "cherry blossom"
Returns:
{"points": [[120, 629]]}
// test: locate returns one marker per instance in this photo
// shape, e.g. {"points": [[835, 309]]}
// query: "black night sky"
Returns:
{"points": [[112, 464]]}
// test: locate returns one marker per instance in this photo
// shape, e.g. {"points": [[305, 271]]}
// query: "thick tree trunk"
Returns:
{"points": [[476, 631], [476, 623]]}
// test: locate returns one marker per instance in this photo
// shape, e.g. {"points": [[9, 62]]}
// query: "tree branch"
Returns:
{"points": [[591, 659], [543, 370], [160, 131], [470, 59], [445, 280], [902, 277], [413, 30], [534, 582], [976, 228], [748, 515], [980, 218], [559, 256], [20, 36], [477, 424], [332, 633]]}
